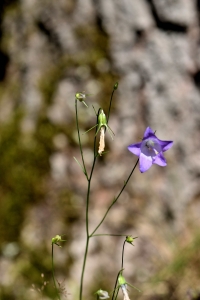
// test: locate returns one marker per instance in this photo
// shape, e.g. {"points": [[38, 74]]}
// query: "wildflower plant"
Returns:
{"points": [[149, 151]]}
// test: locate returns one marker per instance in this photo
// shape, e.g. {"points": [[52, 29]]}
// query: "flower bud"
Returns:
{"points": [[130, 239], [123, 285], [121, 279], [102, 294], [116, 86], [57, 239], [81, 97]]}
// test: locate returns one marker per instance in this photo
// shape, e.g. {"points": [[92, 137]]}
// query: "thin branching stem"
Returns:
{"points": [[111, 98], [83, 268], [88, 192], [87, 220], [115, 287], [116, 293], [123, 254], [108, 234], [79, 140], [53, 275], [115, 200]]}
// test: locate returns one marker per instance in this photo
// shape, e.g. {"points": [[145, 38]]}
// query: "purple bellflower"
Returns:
{"points": [[150, 150]]}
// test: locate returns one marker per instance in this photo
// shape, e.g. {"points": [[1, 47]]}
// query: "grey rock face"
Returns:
{"points": [[57, 48]]}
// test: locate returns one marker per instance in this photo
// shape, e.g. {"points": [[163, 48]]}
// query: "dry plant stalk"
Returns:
{"points": [[125, 292], [102, 140]]}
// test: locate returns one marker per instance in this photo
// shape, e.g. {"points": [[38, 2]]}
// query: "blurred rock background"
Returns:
{"points": [[49, 50]]}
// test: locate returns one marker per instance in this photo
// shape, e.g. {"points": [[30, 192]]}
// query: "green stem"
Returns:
{"points": [[83, 268], [79, 139], [115, 200], [54, 281], [114, 89], [87, 222], [87, 233], [117, 293], [116, 287], [108, 234], [123, 254], [88, 191]]}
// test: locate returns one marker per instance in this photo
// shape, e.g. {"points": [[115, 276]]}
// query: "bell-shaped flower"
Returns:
{"points": [[150, 150]]}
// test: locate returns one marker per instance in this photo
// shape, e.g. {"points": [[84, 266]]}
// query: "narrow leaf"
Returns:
{"points": [[80, 165]]}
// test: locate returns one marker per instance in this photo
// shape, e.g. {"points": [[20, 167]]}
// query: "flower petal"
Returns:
{"points": [[166, 145], [135, 148], [148, 132], [145, 162], [160, 160]]}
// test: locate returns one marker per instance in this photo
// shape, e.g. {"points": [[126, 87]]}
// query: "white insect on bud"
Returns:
{"points": [[102, 126], [123, 285], [125, 292], [102, 140]]}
